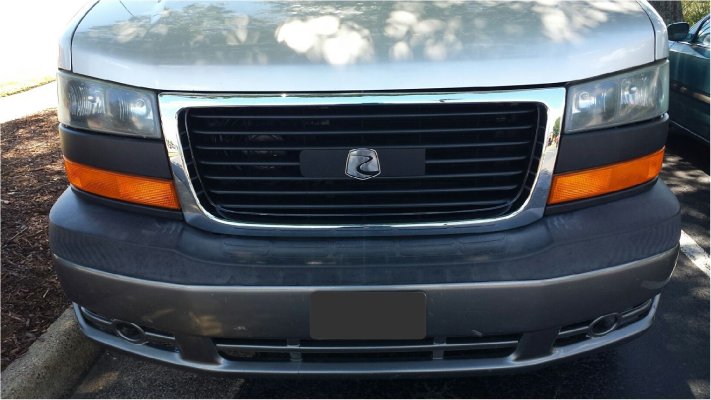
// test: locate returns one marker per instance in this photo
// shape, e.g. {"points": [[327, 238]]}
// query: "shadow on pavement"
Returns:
{"points": [[685, 161]]}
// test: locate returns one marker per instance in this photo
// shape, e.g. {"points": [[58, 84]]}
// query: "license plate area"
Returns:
{"points": [[368, 315]]}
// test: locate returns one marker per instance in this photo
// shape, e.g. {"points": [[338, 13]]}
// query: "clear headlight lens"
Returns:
{"points": [[100, 106], [621, 99]]}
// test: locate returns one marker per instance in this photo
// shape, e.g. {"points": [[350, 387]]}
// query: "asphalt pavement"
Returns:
{"points": [[670, 360]]}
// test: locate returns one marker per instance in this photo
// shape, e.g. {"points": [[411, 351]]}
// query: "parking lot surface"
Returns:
{"points": [[670, 360]]}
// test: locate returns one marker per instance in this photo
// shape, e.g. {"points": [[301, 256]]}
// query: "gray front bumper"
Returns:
{"points": [[283, 312], [534, 349], [532, 283]]}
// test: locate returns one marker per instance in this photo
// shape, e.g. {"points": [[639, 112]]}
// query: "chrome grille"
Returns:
{"points": [[480, 161]]}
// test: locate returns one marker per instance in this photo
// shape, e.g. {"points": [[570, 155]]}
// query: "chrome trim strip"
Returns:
{"points": [[171, 104], [95, 318], [696, 95], [688, 131], [369, 348], [624, 318], [572, 332], [99, 320]]}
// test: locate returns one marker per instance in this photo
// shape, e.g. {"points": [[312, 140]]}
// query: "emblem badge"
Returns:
{"points": [[362, 164]]}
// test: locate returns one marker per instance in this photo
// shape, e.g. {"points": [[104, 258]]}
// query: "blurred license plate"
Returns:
{"points": [[368, 315]]}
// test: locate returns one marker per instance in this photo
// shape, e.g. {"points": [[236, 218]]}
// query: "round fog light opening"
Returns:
{"points": [[129, 332], [604, 325]]}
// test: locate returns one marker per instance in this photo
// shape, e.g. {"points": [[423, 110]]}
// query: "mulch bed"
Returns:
{"points": [[32, 179]]}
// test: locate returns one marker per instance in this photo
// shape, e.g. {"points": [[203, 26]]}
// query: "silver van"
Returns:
{"points": [[364, 188]]}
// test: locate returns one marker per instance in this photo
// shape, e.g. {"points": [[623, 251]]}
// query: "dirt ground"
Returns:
{"points": [[32, 179]]}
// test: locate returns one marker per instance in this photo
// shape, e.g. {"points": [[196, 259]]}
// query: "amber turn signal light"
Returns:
{"points": [[593, 182], [142, 190]]}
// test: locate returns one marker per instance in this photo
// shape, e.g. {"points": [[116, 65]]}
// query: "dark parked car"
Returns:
{"points": [[689, 74]]}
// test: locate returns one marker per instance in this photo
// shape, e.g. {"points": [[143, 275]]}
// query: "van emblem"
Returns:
{"points": [[362, 164]]}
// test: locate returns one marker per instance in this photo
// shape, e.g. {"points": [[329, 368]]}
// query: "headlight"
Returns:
{"points": [[621, 99], [100, 106]]}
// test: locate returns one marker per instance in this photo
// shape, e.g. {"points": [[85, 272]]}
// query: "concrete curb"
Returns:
{"points": [[54, 364], [27, 103]]}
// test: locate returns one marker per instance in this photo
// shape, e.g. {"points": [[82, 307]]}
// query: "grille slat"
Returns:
{"points": [[196, 114], [474, 160], [370, 132], [345, 178], [366, 214], [432, 161], [251, 163], [479, 159], [364, 192], [383, 146], [362, 206]]}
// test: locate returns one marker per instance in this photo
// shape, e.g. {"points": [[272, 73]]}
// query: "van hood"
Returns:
{"points": [[254, 46]]}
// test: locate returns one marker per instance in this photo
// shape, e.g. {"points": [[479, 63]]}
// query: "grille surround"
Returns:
{"points": [[173, 106]]}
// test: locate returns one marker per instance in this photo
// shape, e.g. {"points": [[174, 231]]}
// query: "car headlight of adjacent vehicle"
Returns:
{"points": [[106, 107], [624, 98]]}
